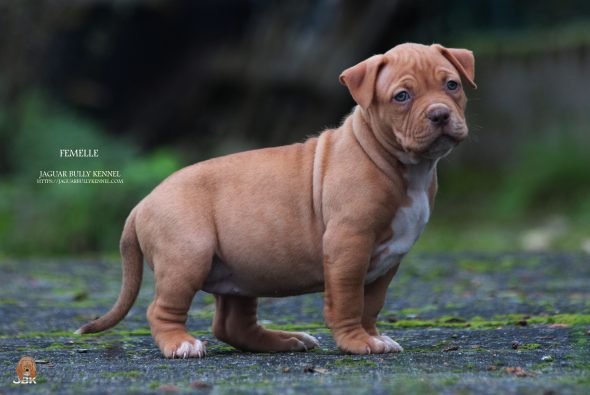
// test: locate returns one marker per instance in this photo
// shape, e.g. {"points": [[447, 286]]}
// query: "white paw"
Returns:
{"points": [[190, 350], [309, 341], [391, 345]]}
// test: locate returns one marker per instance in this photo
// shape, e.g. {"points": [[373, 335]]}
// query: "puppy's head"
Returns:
{"points": [[413, 97], [26, 368]]}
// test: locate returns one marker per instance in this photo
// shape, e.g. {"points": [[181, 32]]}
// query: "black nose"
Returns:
{"points": [[438, 115]]}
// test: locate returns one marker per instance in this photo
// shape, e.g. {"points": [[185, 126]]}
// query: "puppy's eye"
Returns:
{"points": [[402, 96], [452, 85]]}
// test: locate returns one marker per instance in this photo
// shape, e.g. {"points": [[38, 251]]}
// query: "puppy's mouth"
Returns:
{"points": [[440, 147]]}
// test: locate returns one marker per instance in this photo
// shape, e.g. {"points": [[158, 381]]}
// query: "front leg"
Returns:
{"points": [[346, 260], [375, 293]]}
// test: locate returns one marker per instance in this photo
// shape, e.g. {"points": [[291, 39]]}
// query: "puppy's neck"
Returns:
{"points": [[386, 156]]}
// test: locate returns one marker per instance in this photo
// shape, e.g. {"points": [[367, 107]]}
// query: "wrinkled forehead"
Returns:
{"points": [[418, 62]]}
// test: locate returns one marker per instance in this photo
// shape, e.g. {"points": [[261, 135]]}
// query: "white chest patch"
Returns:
{"points": [[408, 222]]}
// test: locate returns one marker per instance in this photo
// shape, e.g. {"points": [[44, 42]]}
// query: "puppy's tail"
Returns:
{"points": [[132, 274]]}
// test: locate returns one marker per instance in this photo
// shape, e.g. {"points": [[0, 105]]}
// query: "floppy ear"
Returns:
{"points": [[360, 79], [33, 367], [463, 61], [20, 370]]}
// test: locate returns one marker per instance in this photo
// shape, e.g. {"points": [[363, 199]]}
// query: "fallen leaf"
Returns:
{"points": [[199, 385], [519, 372]]}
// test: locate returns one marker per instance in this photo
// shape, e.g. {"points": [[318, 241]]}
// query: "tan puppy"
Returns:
{"points": [[335, 213]]}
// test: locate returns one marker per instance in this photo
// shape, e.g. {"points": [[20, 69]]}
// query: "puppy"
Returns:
{"points": [[336, 213]]}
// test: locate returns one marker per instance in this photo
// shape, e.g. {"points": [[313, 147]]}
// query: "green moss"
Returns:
{"points": [[223, 347], [443, 321], [154, 385], [530, 346], [566, 319], [482, 323], [350, 361]]}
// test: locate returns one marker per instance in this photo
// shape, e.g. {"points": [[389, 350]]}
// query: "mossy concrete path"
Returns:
{"points": [[469, 323]]}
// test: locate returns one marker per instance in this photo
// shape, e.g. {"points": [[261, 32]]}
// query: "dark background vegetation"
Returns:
{"points": [[156, 85]]}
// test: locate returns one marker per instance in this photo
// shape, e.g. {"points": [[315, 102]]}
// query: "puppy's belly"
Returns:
{"points": [[224, 279]]}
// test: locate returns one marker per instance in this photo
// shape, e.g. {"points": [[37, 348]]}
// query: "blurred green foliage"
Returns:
{"points": [[37, 219], [539, 200]]}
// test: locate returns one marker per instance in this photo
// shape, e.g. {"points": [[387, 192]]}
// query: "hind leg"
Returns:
{"points": [[236, 323], [177, 281]]}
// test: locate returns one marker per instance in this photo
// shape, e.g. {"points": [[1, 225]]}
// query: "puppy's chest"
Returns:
{"points": [[407, 224]]}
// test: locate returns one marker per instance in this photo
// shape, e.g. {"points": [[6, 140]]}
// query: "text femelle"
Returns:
{"points": [[78, 153]]}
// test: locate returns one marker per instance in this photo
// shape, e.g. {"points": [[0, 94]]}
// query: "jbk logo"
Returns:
{"points": [[26, 370]]}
